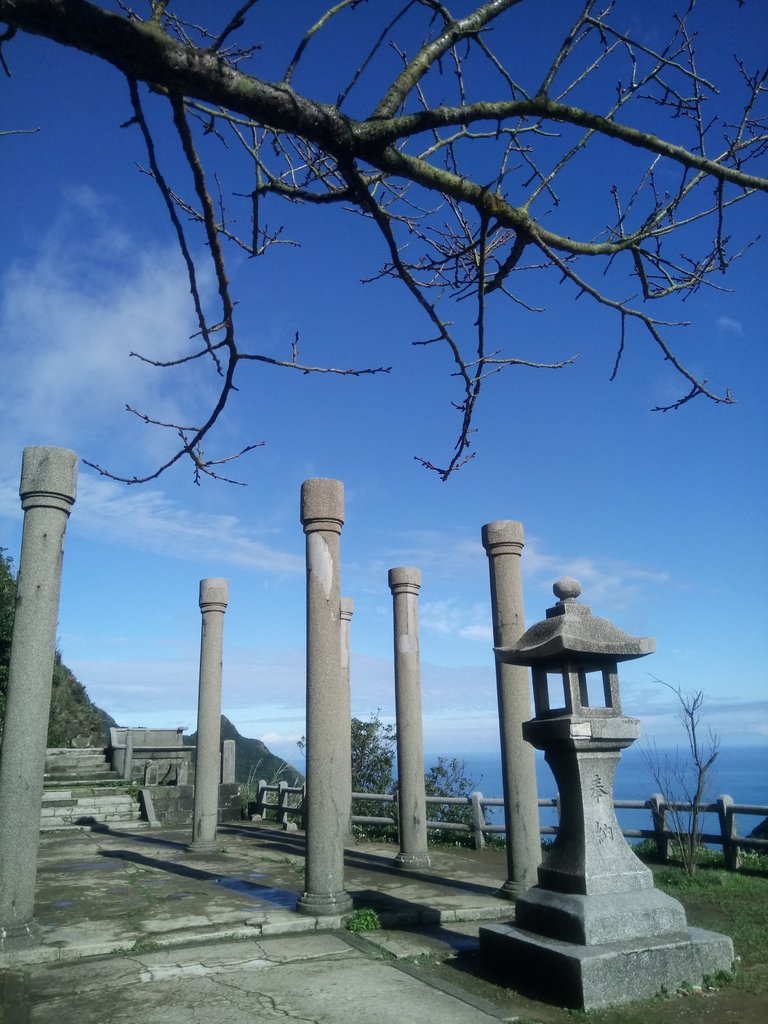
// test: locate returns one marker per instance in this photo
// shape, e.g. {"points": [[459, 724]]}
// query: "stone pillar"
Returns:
{"points": [[503, 542], [322, 516], [128, 755], [48, 489], [213, 604], [405, 584], [228, 766], [347, 611]]}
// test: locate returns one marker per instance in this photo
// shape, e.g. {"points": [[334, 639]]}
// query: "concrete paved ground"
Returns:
{"points": [[316, 977], [136, 929]]}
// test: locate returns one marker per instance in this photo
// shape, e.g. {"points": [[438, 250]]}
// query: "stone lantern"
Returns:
{"points": [[594, 931]]}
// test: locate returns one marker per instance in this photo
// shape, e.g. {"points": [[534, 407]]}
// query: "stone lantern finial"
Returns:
{"points": [[567, 588]]}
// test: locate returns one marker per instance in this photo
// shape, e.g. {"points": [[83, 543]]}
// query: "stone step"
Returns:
{"points": [[94, 806], [78, 769], [74, 812], [134, 825], [80, 792], [53, 768], [80, 782], [74, 752], [56, 759], [66, 809], [85, 788]]}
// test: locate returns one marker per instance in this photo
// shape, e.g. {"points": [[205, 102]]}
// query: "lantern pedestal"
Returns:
{"points": [[589, 977]]}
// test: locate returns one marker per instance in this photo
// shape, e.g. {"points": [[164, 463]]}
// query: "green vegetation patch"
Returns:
{"points": [[363, 920]]}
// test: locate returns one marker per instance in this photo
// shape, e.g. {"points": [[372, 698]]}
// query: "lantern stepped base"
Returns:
{"points": [[591, 977], [596, 920]]}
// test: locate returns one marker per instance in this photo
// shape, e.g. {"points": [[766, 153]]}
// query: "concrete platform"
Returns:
{"points": [[136, 929]]}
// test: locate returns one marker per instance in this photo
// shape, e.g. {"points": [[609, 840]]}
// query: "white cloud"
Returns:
{"points": [[437, 554], [69, 317], [263, 684], [451, 618], [459, 563], [149, 520], [727, 323], [604, 581]]}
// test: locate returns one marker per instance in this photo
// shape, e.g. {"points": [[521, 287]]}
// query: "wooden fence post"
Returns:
{"points": [[261, 801], [729, 832], [658, 806], [478, 820], [282, 803]]}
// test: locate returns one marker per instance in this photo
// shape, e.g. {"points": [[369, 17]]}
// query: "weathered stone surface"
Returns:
{"points": [[346, 611], [594, 931], [591, 977], [214, 594], [405, 584], [591, 920], [48, 488], [322, 516], [228, 761], [504, 541]]}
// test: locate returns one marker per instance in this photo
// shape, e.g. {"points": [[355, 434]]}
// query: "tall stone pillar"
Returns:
{"points": [[322, 516], [213, 604], [48, 489], [503, 541], [347, 610], [405, 584]]}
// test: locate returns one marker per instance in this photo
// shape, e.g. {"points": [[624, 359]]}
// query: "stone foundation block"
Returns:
{"points": [[595, 920], [593, 977]]}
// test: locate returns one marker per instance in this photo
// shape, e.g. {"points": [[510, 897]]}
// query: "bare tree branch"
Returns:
{"points": [[458, 151]]}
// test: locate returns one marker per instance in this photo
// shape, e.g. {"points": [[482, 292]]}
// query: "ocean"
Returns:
{"points": [[739, 772]]}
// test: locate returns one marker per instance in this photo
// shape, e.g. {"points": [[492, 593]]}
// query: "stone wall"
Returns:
{"points": [[174, 805]]}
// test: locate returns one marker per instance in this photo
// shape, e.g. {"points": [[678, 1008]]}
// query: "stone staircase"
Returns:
{"points": [[81, 790]]}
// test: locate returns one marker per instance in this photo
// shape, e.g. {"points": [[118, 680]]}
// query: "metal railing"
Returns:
{"points": [[285, 804]]}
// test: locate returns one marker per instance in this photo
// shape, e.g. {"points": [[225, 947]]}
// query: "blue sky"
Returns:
{"points": [[661, 517]]}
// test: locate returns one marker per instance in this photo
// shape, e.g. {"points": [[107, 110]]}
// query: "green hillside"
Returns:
{"points": [[253, 759], [76, 719], [74, 716]]}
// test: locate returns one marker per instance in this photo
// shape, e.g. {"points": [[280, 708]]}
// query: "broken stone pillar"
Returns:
{"points": [[503, 541], [405, 584], [128, 755], [322, 516], [48, 489], [213, 604], [347, 611], [228, 755]]}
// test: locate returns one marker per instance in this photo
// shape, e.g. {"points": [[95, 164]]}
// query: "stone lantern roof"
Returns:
{"points": [[571, 632]]}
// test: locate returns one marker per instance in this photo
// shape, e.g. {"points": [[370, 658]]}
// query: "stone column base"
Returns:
{"points": [[413, 860], [19, 936], [202, 846], [324, 904], [512, 890], [593, 977]]}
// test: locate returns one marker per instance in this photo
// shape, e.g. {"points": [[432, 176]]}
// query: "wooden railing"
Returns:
{"points": [[285, 804]]}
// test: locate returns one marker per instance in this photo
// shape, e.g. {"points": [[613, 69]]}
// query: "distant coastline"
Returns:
{"points": [[740, 772]]}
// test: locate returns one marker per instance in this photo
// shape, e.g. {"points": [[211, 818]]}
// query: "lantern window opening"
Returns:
{"points": [[552, 691], [595, 688]]}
